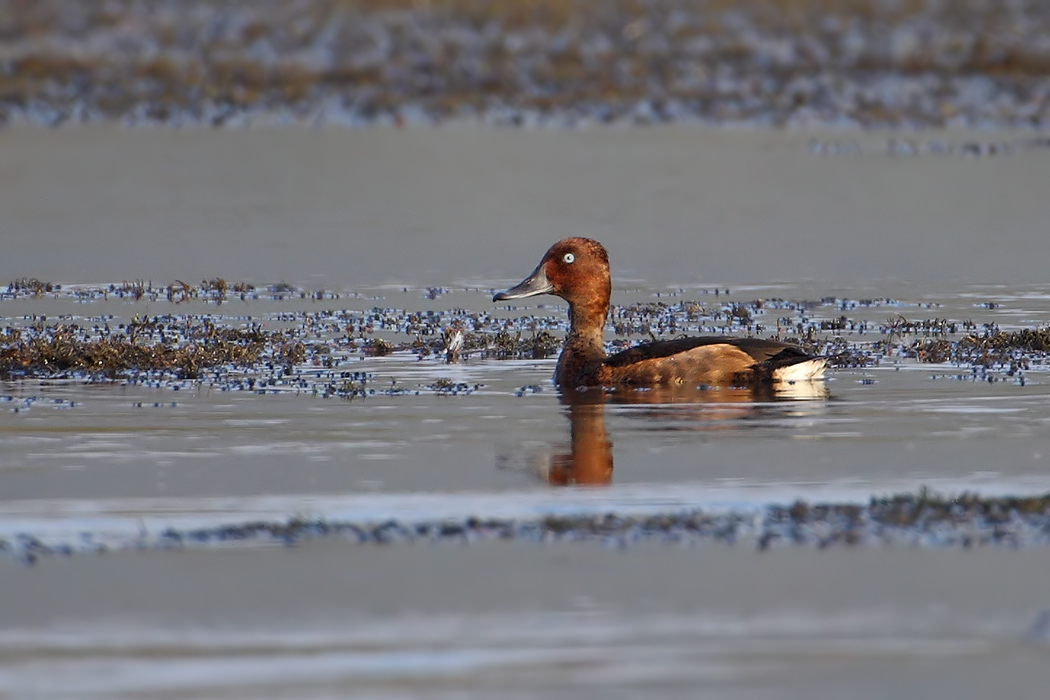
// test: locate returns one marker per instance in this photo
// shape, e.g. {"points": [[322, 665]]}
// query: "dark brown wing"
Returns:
{"points": [[773, 351]]}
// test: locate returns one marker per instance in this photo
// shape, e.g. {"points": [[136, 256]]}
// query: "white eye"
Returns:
{"points": [[568, 258]]}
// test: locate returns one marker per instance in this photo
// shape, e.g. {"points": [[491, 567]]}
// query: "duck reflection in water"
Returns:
{"points": [[589, 461]]}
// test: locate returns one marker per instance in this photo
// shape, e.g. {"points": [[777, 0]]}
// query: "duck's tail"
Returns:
{"points": [[804, 371]]}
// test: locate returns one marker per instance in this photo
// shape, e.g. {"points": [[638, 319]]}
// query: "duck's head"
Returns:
{"points": [[575, 269]]}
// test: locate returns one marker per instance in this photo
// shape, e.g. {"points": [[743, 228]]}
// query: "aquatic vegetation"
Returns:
{"points": [[30, 286], [307, 348], [921, 519], [178, 347], [1030, 339]]}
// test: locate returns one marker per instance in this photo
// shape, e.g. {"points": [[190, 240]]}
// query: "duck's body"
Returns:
{"points": [[577, 270], [711, 361]]}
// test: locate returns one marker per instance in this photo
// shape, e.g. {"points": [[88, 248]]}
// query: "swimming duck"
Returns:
{"points": [[577, 270]]}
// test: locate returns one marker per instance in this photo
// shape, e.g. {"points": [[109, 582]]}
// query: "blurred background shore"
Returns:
{"points": [[846, 63]]}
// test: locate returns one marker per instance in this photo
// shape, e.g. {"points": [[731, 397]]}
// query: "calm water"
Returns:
{"points": [[385, 214]]}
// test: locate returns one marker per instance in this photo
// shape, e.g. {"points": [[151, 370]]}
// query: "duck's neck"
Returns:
{"points": [[585, 330], [583, 345]]}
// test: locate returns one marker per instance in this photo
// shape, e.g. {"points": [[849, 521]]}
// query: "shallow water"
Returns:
{"points": [[676, 206], [903, 421], [380, 215], [515, 619]]}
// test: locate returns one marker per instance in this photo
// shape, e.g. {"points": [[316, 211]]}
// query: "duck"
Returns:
{"points": [[577, 270]]}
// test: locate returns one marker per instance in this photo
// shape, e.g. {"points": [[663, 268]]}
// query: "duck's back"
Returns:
{"points": [[711, 360]]}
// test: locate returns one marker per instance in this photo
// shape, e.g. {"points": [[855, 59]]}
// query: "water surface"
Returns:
{"points": [[382, 218]]}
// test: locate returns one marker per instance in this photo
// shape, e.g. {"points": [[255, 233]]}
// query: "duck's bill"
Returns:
{"points": [[534, 284]]}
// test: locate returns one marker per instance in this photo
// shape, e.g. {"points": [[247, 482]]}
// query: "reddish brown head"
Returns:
{"points": [[575, 269]]}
